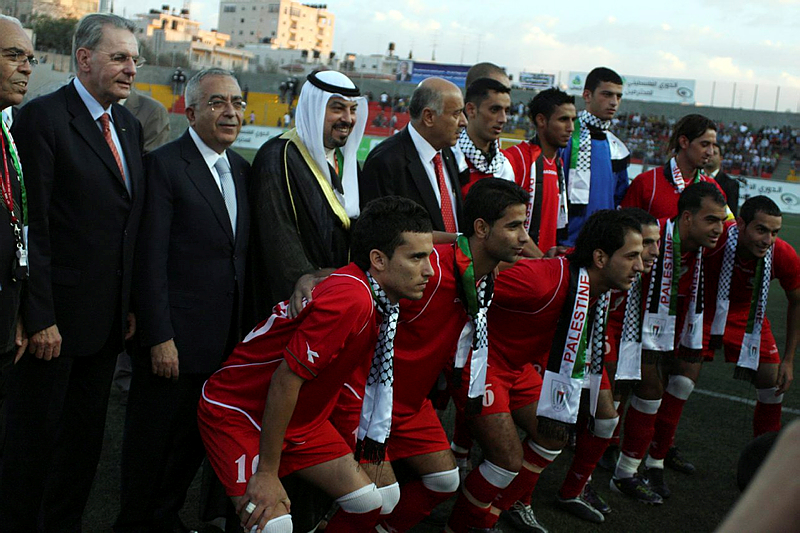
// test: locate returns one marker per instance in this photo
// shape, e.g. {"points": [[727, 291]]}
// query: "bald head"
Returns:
{"points": [[487, 70], [437, 112]]}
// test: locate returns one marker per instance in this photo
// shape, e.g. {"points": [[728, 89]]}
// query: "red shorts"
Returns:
{"points": [[232, 442], [509, 389], [768, 354], [417, 434]]}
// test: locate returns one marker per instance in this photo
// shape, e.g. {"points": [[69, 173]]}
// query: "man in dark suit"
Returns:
{"points": [[84, 181], [188, 281], [153, 116], [15, 69], [417, 163], [730, 186]]}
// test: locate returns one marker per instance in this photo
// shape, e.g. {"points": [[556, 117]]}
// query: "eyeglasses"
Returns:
{"points": [[121, 59], [18, 57], [218, 104]]}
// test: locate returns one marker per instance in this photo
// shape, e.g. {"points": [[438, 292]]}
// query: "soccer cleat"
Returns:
{"points": [[609, 459], [590, 496], [521, 517], [675, 461], [580, 508], [635, 487], [655, 478]]}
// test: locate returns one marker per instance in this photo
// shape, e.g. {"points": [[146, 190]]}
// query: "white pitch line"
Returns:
{"points": [[740, 400]]}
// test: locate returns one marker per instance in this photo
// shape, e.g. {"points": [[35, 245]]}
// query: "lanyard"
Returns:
{"points": [[8, 196]]}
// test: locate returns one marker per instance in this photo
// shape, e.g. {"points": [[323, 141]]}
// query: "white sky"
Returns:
{"points": [[722, 40]]}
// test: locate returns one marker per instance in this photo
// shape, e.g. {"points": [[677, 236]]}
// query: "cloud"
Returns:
{"points": [[724, 66], [789, 79], [673, 63]]}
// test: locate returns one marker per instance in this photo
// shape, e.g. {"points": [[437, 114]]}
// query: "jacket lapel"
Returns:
{"points": [[198, 173], [421, 181], [88, 129]]}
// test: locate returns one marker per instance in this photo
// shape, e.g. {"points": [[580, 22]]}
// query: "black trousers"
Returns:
{"points": [[55, 420], [161, 449]]}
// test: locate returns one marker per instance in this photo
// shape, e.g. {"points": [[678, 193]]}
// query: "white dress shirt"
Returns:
{"points": [[426, 154]]}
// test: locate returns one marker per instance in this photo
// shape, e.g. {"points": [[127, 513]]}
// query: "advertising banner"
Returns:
{"points": [[669, 90], [533, 80], [416, 71], [784, 193]]}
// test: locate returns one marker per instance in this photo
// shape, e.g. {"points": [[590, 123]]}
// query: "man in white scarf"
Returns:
{"points": [[304, 192]]}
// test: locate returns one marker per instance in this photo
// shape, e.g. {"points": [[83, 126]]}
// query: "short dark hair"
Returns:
{"points": [[604, 230], [546, 102], [483, 70], [691, 199], [381, 225], [759, 204], [640, 215], [600, 75], [488, 199], [479, 90], [691, 126]]}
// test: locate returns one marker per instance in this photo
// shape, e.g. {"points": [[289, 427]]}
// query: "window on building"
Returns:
{"points": [[242, 21], [229, 9], [274, 8], [174, 24], [252, 33], [241, 32]]}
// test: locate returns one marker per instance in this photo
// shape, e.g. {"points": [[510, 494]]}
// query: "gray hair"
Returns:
{"points": [[193, 94], [422, 97], [11, 20], [90, 29]]}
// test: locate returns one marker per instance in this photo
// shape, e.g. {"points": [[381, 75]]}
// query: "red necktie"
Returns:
{"points": [[447, 205], [105, 121]]}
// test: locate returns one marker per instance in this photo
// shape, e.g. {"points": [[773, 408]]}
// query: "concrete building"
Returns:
{"points": [[170, 33], [23, 9], [281, 23]]}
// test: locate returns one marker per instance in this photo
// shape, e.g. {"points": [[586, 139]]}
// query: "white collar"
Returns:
{"points": [[424, 149], [94, 107], [209, 155]]}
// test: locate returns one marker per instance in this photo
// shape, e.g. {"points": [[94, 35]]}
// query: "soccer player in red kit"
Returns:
{"points": [[433, 333], [537, 167], [738, 275], [672, 335], [550, 314], [265, 413], [657, 190], [576, 495]]}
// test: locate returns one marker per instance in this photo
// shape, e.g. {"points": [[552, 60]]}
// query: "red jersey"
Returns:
{"points": [[785, 268], [616, 315], [527, 304], [468, 172], [528, 164], [654, 193], [333, 337]]}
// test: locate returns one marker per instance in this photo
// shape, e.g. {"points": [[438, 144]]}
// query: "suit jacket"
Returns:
{"points": [[731, 189], [190, 269], [153, 116], [394, 168], [82, 220]]}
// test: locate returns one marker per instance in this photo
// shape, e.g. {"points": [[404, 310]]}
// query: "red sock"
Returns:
{"points": [[589, 450], [666, 424], [416, 502], [465, 514], [615, 438], [638, 432], [766, 418], [522, 487], [344, 522]]}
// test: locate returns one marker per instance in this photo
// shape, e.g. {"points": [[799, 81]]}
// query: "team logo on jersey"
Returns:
{"points": [[560, 395], [312, 355]]}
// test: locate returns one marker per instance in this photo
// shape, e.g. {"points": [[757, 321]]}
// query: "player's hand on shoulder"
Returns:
{"points": [[785, 376]]}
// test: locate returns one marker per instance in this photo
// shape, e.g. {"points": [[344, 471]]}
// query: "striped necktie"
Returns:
{"points": [[228, 189]]}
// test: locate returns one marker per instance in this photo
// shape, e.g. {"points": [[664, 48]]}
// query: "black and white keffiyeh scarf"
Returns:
{"points": [[675, 176], [478, 158], [750, 352], [375, 422], [476, 295], [580, 161], [629, 362], [569, 362]]}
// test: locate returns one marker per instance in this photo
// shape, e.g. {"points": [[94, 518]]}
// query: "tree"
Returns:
{"points": [[53, 34]]}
